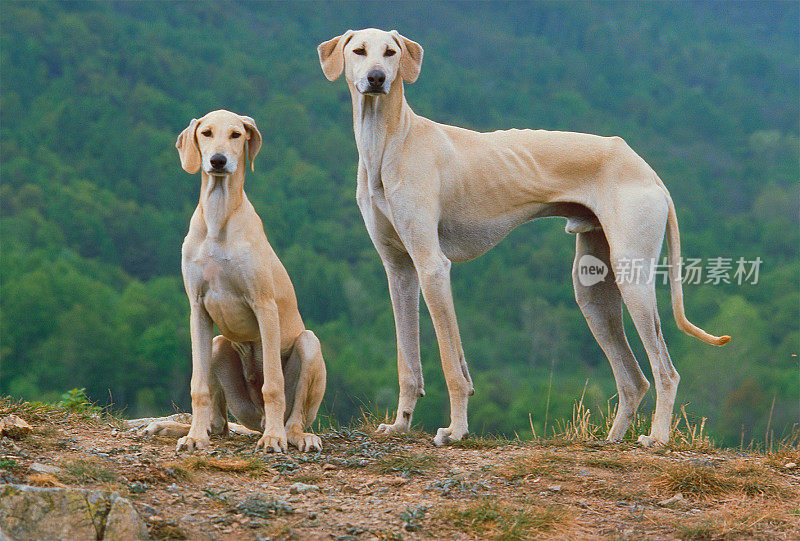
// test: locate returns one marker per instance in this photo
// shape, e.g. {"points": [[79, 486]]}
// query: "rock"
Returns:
{"points": [[148, 510], [328, 466], [123, 523], [38, 467], [28, 512], [350, 489], [790, 465], [701, 462], [302, 488], [14, 427], [554, 488], [676, 498]]}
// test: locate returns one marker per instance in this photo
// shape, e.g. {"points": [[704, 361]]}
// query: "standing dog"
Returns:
{"points": [[267, 368], [431, 194]]}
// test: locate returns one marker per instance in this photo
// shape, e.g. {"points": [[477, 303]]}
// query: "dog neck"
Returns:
{"points": [[379, 121], [220, 197]]}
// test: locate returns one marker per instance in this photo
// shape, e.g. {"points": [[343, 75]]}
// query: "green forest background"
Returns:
{"points": [[95, 204]]}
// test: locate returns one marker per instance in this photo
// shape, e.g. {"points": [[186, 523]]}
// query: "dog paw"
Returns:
{"points": [[273, 442], [449, 434], [306, 441], [396, 428], [649, 441], [191, 443]]}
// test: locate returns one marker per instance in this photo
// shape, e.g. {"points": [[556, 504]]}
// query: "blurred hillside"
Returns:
{"points": [[95, 205]]}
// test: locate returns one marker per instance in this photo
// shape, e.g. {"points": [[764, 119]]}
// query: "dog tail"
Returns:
{"points": [[674, 247]]}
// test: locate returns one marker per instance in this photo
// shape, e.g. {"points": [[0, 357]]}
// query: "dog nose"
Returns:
{"points": [[376, 77], [218, 161]]}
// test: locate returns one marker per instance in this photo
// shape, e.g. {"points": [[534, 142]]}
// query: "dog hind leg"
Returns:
{"points": [[240, 395], [636, 235], [304, 384], [601, 304]]}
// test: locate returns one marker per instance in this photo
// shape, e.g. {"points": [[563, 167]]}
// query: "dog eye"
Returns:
{"points": [[235, 134], [389, 52], [361, 51], [206, 133]]}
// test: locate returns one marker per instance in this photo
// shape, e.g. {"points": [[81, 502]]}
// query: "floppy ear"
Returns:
{"points": [[331, 55], [187, 147], [411, 57], [253, 139]]}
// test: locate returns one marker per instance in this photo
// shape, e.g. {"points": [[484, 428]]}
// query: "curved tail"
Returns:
{"points": [[676, 288]]}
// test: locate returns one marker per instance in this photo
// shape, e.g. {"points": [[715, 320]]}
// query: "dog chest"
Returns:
{"points": [[221, 280]]}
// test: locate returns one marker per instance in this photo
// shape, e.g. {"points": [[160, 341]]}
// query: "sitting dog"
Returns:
{"points": [[266, 368], [431, 194]]}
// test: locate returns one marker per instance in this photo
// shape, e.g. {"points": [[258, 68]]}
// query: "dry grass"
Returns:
{"points": [[690, 437], [618, 491], [694, 481], [43, 480], [742, 477], [483, 442], [686, 434], [489, 519], [613, 463], [85, 471], [406, 464], [537, 465], [742, 519]]}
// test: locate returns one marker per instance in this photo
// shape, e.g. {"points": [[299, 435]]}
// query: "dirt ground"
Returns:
{"points": [[363, 486]]}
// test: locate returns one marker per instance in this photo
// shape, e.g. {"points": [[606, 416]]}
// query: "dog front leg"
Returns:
{"points": [[201, 329], [404, 293], [274, 437], [434, 276]]}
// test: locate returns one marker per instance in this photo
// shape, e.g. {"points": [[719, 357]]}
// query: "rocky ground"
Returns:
{"points": [[363, 486]]}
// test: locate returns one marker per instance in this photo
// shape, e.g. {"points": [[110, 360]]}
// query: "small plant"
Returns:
{"points": [[75, 400], [406, 465], [283, 465], [137, 487], [487, 442], [9, 464], [490, 519], [84, 471], [261, 508], [452, 484], [308, 479], [219, 496], [412, 517]]}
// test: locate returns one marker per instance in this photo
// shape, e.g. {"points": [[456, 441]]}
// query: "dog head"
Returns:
{"points": [[217, 142], [371, 59]]}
